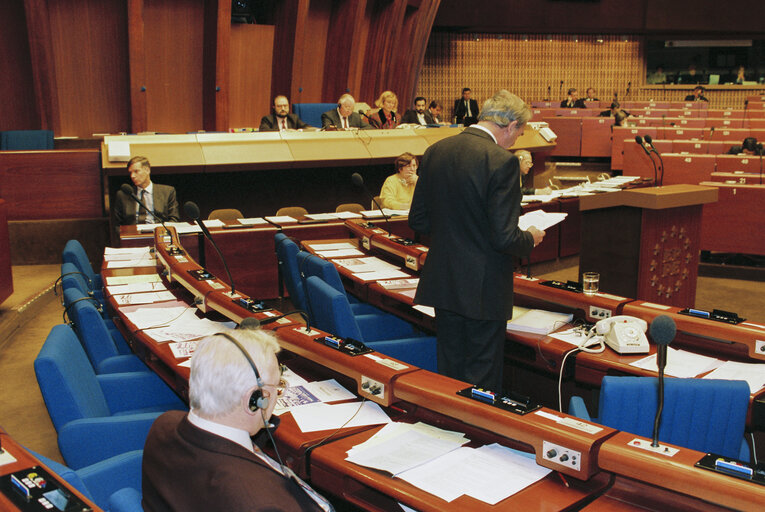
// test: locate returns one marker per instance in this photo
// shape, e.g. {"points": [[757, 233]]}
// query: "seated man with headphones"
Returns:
{"points": [[206, 460]]}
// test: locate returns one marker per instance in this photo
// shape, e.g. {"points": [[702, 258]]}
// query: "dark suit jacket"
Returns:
{"points": [[332, 118], [165, 204], [186, 469], [579, 103], [691, 97], [460, 111], [269, 123], [410, 116], [468, 198]]}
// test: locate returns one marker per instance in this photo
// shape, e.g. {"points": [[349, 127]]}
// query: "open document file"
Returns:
{"points": [[436, 461]]}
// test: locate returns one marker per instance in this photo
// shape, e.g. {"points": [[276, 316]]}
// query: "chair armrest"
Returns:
{"points": [[126, 500], [109, 476], [89, 440], [137, 390], [576, 407], [122, 364]]}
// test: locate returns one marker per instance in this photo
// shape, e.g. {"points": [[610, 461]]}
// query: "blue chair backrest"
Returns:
{"points": [[286, 254], [72, 277], [332, 312], [311, 113], [26, 140], [90, 327], [702, 414], [75, 253], [67, 380], [323, 269]]}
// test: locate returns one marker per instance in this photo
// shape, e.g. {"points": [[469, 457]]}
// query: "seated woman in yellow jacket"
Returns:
{"points": [[398, 188]]}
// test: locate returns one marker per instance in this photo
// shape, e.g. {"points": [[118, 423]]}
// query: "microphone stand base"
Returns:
{"points": [[645, 444]]}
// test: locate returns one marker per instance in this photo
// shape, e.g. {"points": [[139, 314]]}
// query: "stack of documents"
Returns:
{"points": [[336, 250], [540, 219], [175, 323], [321, 416], [389, 212], [436, 461], [298, 394], [253, 221], [371, 268], [680, 363], [538, 321]]}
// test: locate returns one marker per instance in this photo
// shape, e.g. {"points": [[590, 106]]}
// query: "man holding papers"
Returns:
{"points": [[468, 199], [205, 460]]}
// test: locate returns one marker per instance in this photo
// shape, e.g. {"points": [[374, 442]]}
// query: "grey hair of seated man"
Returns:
{"points": [[503, 108]]}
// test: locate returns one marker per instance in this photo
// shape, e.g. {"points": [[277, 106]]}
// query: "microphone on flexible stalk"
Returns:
{"points": [[649, 140], [662, 330], [192, 210], [358, 180], [254, 323], [639, 140]]}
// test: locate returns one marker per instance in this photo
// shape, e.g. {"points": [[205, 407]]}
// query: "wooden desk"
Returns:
{"points": [[25, 460]]}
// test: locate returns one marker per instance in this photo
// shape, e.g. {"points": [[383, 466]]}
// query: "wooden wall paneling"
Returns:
{"points": [[215, 65], [89, 38], [289, 19], [43, 65], [18, 110], [137, 66], [308, 65], [384, 29], [249, 86], [174, 40], [341, 60], [362, 20], [51, 184]]}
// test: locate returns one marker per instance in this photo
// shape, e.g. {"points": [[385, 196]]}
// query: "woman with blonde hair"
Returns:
{"points": [[385, 117], [398, 189]]}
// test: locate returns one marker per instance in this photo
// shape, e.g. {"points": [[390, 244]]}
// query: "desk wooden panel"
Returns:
{"points": [[596, 136], [329, 147], [627, 495], [6, 276], [249, 151], [570, 229], [736, 178], [372, 490], [569, 132], [678, 474], [739, 163], [51, 184], [736, 222], [25, 460]]}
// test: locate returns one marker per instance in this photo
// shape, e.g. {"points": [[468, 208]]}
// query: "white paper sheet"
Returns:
{"points": [[369, 264], [138, 278], [312, 418], [143, 298], [680, 363], [540, 219], [339, 253], [381, 274], [253, 221], [136, 288], [335, 246], [281, 219], [752, 373], [143, 262]]}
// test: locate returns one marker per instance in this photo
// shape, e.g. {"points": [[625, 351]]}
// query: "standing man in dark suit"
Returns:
{"points": [[466, 109], [205, 459], [159, 199], [281, 119], [343, 117], [419, 115], [468, 199]]}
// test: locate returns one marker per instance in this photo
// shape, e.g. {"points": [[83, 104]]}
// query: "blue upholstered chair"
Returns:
{"points": [[97, 416], [72, 277], [75, 253], [286, 256], [93, 333], [385, 333], [113, 484], [311, 113], [702, 414], [310, 265], [26, 140]]}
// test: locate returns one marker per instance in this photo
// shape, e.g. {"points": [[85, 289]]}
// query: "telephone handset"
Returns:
{"points": [[625, 334]]}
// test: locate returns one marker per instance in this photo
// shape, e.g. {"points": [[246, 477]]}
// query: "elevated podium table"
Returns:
{"points": [[645, 242]]}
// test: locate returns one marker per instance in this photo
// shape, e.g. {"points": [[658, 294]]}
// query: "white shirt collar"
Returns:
{"points": [[486, 130], [149, 190], [235, 435]]}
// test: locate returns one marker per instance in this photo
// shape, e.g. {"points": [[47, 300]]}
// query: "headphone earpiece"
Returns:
{"points": [[257, 400]]}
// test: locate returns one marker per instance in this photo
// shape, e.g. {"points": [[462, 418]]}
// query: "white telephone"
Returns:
{"points": [[625, 334]]}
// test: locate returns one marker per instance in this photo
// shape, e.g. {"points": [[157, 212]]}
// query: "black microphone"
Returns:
{"points": [[663, 330], [358, 180], [192, 210], [649, 140], [639, 140], [254, 323], [128, 190]]}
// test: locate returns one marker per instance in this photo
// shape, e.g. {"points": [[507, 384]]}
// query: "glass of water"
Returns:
{"points": [[590, 283]]}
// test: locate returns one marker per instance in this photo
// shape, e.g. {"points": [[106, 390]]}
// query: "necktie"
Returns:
{"points": [[284, 124], [141, 219], [345, 122], [467, 108]]}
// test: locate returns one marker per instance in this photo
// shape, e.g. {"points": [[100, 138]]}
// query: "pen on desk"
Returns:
{"points": [[563, 479]]}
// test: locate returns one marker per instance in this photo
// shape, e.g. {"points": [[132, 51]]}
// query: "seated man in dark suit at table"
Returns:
{"points": [[343, 117], [466, 108], [435, 109], [159, 199], [697, 95], [612, 110], [205, 459], [418, 115], [281, 119], [572, 100]]}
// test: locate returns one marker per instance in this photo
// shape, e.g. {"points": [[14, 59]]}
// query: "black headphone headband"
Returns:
{"points": [[257, 400]]}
